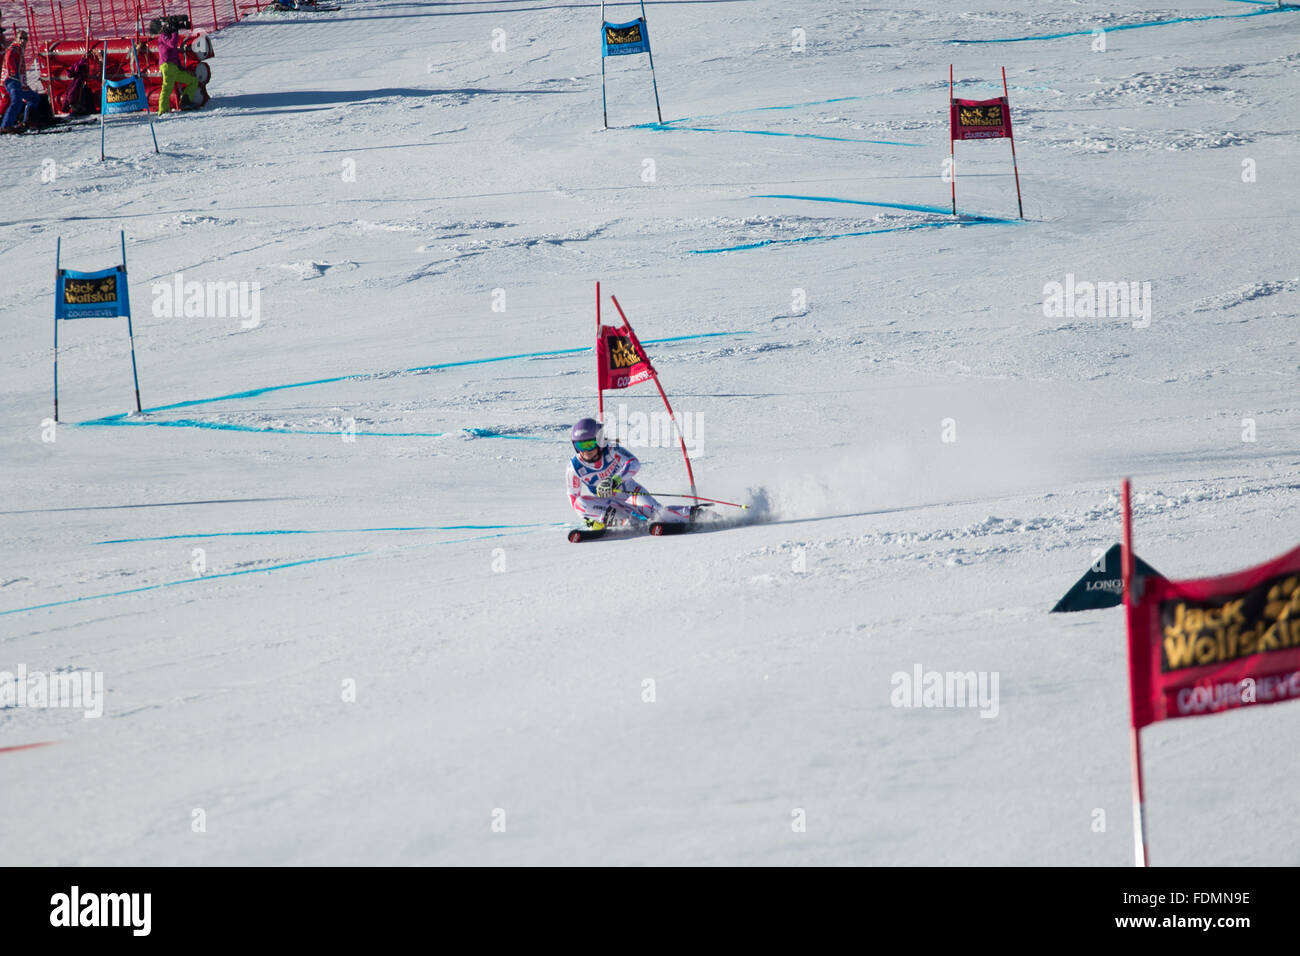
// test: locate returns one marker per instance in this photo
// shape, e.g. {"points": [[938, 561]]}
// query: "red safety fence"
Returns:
{"points": [[49, 21], [59, 68]]}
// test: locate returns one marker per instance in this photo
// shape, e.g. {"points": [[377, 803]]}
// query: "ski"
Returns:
{"points": [[618, 529], [57, 127], [656, 528], [659, 528]]}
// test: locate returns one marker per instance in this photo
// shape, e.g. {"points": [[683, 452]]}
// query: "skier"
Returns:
{"points": [[601, 485]]}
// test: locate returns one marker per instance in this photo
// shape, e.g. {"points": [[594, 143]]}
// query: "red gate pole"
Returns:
{"points": [[1126, 573], [952, 149], [690, 473], [600, 392], [1012, 137], [215, 24]]}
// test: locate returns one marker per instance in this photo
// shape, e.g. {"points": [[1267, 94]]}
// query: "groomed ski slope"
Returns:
{"points": [[381, 172]]}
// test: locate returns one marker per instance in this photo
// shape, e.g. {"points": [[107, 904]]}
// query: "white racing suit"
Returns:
{"points": [[630, 501]]}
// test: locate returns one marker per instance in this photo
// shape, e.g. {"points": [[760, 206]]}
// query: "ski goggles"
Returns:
{"points": [[587, 444]]}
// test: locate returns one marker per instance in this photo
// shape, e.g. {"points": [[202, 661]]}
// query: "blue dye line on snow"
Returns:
{"points": [[493, 433], [670, 127], [798, 106], [170, 584], [279, 531], [497, 358], [752, 109], [851, 235], [1134, 26], [251, 393], [116, 421], [233, 574], [267, 429], [966, 219], [940, 210], [360, 376]]}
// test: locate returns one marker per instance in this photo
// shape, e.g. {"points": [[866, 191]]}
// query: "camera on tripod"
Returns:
{"points": [[177, 21]]}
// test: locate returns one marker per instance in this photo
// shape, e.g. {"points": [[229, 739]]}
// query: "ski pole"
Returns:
{"points": [[732, 504]]}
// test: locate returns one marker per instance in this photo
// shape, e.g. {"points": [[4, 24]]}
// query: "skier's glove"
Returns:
{"points": [[607, 486]]}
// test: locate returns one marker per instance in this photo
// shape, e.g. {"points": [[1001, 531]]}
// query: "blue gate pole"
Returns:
{"points": [[129, 332], [135, 62], [103, 96], [651, 54], [58, 291], [604, 104]]}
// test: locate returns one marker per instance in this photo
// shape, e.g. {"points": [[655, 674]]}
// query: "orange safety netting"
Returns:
{"points": [[47, 21]]}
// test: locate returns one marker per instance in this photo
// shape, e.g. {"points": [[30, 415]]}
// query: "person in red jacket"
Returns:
{"points": [[169, 55], [13, 73]]}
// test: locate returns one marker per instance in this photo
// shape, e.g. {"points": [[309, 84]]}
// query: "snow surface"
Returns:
{"points": [[503, 668]]}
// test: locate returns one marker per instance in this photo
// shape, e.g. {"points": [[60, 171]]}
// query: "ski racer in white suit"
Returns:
{"points": [[601, 485]]}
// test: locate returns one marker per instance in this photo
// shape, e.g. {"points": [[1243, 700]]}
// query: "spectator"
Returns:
{"points": [[14, 75], [169, 55], [80, 101]]}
